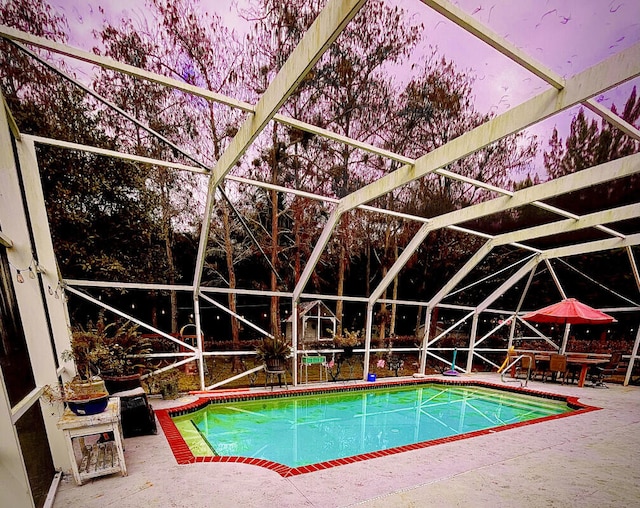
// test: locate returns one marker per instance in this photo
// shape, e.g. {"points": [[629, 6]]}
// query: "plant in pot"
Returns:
{"points": [[85, 394], [347, 340], [112, 350], [274, 352], [165, 383], [83, 397]]}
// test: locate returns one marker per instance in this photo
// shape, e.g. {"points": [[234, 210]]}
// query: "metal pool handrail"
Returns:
{"points": [[512, 364]]}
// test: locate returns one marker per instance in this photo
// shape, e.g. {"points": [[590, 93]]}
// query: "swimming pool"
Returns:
{"points": [[300, 431]]}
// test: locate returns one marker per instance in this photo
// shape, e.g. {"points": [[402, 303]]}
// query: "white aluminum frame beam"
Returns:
{"points": [[501, 45], [602, 76], [108, 63], [477, 257], [558, 227], [589, 247], [11, 121], [596, 175], [235, 315], [528, 267], [522, 271], [554, 277], [130, 318], [469, 23], [321, 34], [451, 12], [568, 225], [114, 65], [324, 30], [603, 173], [613, 119], [632, 358]]}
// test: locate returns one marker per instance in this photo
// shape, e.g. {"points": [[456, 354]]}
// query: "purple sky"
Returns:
{"points": [[567, 36]]}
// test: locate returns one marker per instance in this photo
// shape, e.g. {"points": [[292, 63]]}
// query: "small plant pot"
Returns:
{"points": [[85, 407], [117, 384], [169, 391], [274, 363]]}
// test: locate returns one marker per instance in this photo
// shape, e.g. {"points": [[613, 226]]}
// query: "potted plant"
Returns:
{"points": [[111, 350], [164, 383], [347, 340], [83, 397], [273, 352], [85, 394]]}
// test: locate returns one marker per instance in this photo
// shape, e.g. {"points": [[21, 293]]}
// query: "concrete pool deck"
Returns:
{"points": [[590, 459]]}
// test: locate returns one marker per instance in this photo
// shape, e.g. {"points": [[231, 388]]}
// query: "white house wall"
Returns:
{"points": [[32, 307]]}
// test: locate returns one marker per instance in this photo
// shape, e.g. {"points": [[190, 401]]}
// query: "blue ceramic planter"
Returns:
{"points": [[88, 407]]}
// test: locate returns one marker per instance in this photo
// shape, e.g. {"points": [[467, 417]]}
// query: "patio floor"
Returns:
{"points": [[591, 459]]}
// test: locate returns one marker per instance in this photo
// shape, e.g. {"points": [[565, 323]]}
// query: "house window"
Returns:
{"points": [[14, 356], [18, 378]]}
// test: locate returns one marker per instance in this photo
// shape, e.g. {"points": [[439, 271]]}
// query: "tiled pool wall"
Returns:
{"points": [[184, 455]]}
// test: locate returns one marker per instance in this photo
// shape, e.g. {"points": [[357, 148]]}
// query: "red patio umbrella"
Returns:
{"points": [[569, 311]]}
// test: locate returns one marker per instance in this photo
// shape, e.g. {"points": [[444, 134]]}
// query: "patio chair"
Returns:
{"points": [[599, 373], [394, 363], [557, 367], [525, 367], [540, 368]]}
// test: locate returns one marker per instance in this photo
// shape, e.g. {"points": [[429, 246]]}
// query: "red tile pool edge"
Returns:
{"points": [[183, 454]]}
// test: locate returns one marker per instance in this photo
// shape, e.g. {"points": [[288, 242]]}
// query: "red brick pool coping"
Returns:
{"points": [[183, 454]]}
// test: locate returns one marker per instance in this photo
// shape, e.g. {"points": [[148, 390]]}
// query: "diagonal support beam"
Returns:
{"points": [[568, 225], [592, 176], [108, 63], [524, 269], [402, 260], [479, 255], [327, 231], [613, 119], [607, 74], [588, 247], [603, 173], [469, 23], [324, 30]]}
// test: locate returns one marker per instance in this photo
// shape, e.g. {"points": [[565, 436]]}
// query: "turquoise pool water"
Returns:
{"points": [[307, 429]]}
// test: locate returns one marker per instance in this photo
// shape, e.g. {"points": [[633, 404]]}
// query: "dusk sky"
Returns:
{"points": [[567, 36]]}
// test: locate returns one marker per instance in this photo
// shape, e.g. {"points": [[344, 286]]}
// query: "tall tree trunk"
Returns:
{"points": [[342, 268], [172, 280], [297, 238], [367, 290], [394, 307], [383, 313], [231, 298], [418, 322], [168, 246], [275, 301]]}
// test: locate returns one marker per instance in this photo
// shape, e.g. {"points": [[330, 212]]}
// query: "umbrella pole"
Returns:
{"points": [[565, 338]]}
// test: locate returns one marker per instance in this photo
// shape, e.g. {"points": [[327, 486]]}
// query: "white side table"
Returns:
{"points": [[99, 458]]}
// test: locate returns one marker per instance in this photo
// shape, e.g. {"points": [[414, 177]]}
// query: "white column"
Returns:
{"points": [[472, 341]]}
